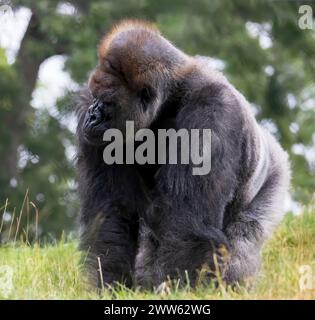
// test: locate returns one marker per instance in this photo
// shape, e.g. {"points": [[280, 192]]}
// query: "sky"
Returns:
{"points": [[53, 81]]}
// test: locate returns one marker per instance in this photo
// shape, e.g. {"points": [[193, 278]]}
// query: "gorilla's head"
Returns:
{"points": [[134, 77]]}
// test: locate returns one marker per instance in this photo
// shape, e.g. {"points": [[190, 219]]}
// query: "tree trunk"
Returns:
{"points": [[27, 66]]}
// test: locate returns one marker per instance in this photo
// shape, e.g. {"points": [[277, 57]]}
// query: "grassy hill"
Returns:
{"points": [[53, 271]]}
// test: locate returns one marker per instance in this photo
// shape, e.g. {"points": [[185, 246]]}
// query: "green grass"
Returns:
{"points": [[54, 271]]}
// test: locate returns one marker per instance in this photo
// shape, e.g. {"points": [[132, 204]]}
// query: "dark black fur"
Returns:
{"points": [[146, 223]]}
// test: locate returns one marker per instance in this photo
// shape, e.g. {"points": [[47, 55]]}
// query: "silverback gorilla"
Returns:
{"points": [[147, 223]]}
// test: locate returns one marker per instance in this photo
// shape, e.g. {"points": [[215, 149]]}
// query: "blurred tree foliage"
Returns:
{"points": [[259, 44]]}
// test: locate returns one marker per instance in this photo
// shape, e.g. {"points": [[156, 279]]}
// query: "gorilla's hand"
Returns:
{"points": [[97, 120]]}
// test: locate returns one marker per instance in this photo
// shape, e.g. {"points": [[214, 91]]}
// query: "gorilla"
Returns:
{"points": [[144, 224]]}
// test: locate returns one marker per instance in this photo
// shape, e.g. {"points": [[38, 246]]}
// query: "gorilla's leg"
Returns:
{"points": [[146, 267], [250, 227], [191, 251]]}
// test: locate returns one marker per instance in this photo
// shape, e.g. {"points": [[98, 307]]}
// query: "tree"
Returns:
{"points": [[259, 44]]}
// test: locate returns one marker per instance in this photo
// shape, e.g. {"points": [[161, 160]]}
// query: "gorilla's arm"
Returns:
{"points": [[111, 200], [188, 210]]}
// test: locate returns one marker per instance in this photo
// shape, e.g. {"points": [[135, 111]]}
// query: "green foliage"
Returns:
{"points": [[264, 53]]}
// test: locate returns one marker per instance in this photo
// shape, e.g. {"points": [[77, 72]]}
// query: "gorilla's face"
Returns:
{"points": [[120, 95]]}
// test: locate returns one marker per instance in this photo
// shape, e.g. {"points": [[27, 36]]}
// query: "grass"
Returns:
{"points": [[53, 271]]}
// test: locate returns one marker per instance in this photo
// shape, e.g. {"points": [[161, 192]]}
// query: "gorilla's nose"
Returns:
{"points": [[98, 112], [95, 115]]}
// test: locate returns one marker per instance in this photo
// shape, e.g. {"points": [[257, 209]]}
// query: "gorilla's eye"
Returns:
{"points": [[110, 67], [146, 96]]}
